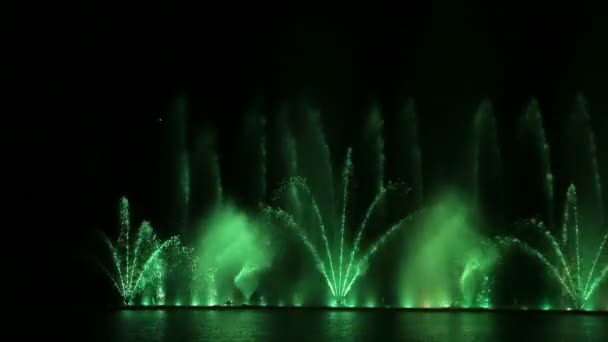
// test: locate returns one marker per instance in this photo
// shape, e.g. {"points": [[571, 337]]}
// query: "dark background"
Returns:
{"points": [[89, 83]]}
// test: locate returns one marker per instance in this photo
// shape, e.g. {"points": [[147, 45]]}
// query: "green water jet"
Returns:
{"points": [[340, 266], [579, 280], [138, 258]]}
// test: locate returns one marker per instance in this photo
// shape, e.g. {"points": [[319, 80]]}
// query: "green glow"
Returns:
{"points": [[569, 268], [486, 306], [160, 296], [138, 261], [297, 300], [233, 246], [546, 307], [340, 271], [408, 303], [448, 263]]}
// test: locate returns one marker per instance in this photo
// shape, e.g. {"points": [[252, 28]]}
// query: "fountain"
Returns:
{"points": [[138, 259], [339, 261], [531, 125], [225, 262], [584, 168], [445, 260], [579, 280], [448, 262]]}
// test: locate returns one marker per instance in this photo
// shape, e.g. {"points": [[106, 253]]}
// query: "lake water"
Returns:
{"points": [[319, 325]]}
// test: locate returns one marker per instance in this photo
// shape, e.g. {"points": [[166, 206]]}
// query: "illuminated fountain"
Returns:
{"points": [[339, 261], [231, 254], [571, 261], [445, 260], [579, 279], [138, 259]]}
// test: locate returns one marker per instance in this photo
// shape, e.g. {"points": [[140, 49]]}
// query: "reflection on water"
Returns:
{"points": [[133, 326], [291, 325]]}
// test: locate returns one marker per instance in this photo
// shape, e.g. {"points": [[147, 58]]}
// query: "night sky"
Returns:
{"points": [[93, 86]]}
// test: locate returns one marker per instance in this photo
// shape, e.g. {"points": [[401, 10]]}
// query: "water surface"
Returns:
{"points": [[319, 325]]}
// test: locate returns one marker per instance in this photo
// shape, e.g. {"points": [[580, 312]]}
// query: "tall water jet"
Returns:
{"points": [[339, 261], [178, 139], [185, 182], [531, 126], [373, 138], [217, 175], [290, 160], [206, 177], [583, 151], [138, 258], [263, 160], [316, 163], [580, 280], [254, 147], [487, 162], [409, 145]]}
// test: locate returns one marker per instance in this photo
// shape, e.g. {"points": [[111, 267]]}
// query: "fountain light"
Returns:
{"points": [[138, 261], [340, 271]]}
